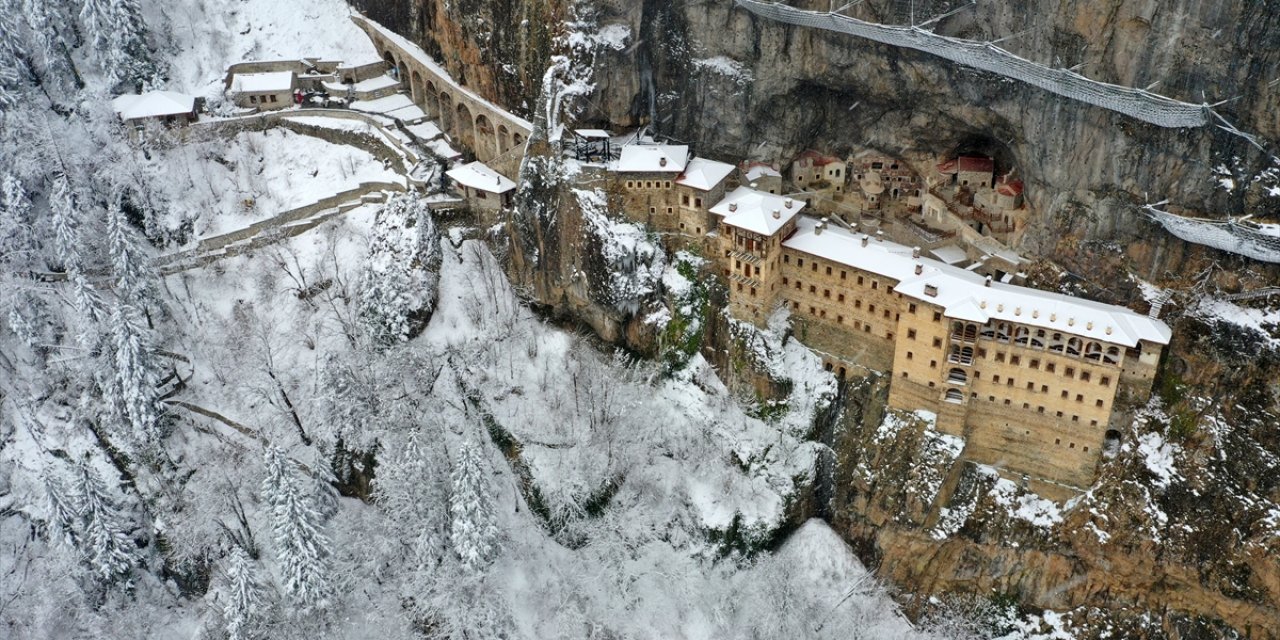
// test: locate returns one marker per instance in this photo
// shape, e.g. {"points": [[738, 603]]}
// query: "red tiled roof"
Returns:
{"points": [[1009, 188], [818, 159], [948, 167], [978, 164]]}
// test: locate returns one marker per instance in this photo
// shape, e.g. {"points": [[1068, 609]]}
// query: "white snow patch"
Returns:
{"points": [[727, 67], [1158, 456]]}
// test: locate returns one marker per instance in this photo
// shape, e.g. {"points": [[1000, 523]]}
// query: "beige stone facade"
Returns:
{"points": [[1029, 379]]}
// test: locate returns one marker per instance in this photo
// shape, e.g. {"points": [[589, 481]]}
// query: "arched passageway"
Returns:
{"points": [[485, 139], [464, 127]]}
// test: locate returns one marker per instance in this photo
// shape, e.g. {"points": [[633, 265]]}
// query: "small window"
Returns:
{"points": [[1009, 382], [1065, 393], [871, 308], [1031, 386], [843, 274], [999, 356], [1039, 409], [1106, 382], [1075, 418], [653, 210], [1070, 372], [875, 284], [631, 184], [1035, 364], [813, 267], [753, 291], [1093, 423], [799, 262], [813, 289], [1079, 397], [911, 334], [911, 308], [1044, 388], [784, 280], [937, 316], [1049, 366], [995, 379], [910, 355], [859, 281], [933, 364], [684, 199], [840, 319], [812, 310], [787, 258], [1084, 376], [840, 298], [1059, 414], [668, 184], [826, 293], [937, 343], [697, 203], [1015, 360], [888, 335], [857, 304], [1007, 401], [253, 99], [1098, 403], [648, 184]]}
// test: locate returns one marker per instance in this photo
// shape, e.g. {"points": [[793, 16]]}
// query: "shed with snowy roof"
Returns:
{"points": [[269, 90], [483, 187], [162, 108]]}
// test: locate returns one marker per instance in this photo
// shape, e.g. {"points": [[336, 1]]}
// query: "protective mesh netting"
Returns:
{"points": [[1143, 105], [1260, 242]]}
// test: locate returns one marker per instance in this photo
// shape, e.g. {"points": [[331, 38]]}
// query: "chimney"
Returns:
{"points": [[879, 236], [931, 290], [733, 206], [777, 215], [919, 268], [787, 203], [987, 282], [864, 239], [662, 162], [817, 228], [915, 252]]}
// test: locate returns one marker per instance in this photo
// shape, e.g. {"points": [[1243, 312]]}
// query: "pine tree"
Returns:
{"points": [[128, 261], [302, 549], [398, 285], [244, 595], [474, 530], [61, 508], [11, 47], [16, 241], [109, 553], [413, 498], [118, 34], [325, 488], [131, 391], [65, 222], [50, 48]]}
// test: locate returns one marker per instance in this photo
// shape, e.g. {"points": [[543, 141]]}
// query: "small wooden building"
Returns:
{"points": [[168, 108], [271, 90], [483, 187]]}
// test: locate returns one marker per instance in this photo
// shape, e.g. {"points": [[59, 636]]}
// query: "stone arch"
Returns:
{"points": [[465, 127], [1113, 355], [504, 139], [486, 140], [1074, 345], [1022, 336], [392, 65], [445, 109], [1092, 350], [431, 101], [957, 376], [416, 89], [954, 396], [517, 139], [1111, 443]]}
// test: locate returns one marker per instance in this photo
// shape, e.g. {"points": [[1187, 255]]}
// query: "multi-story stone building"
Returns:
{"points": [[702, 183], [814, 171], [645, 174], [1032, 380]]}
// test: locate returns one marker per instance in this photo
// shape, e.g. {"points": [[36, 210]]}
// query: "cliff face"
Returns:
{"points": [[1197, 548], [739, 86]]}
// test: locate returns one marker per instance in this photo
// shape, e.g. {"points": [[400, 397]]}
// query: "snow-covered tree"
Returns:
{"points": [[11, 47], [17, 244], [302, 548], [119, 36], [244, 595], [128, 261], [413, 495], [64, 219], [398, 284], [473, 526], [131, 389], [107, 550], [49, 49], [324, 484], [61, 509]]}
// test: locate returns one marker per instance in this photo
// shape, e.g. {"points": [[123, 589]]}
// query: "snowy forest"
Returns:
{"points": [[360, 431]]}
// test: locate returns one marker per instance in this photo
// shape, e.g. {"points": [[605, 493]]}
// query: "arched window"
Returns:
{"points": [[1056, 343], [1074, 345], [970, 332], [1004, 331], [961, 355], [1113, 355], [954, 396], [1039, 341], [957, 329], [957, 376], [1092, 351], [1022, 336]]}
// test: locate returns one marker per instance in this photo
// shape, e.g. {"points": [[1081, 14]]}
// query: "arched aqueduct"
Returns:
{"points": [[489, 131]]}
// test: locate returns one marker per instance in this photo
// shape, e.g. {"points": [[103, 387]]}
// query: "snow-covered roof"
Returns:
{"points": [[653, 158], [703, 174], [271, 81], [950, 254], [966, 295], [753, 210], [592, 133], [153, 104], [477, 175], [758, 170]]}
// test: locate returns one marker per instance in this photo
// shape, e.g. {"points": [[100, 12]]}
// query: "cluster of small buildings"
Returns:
{"points": [[1035, 382]]}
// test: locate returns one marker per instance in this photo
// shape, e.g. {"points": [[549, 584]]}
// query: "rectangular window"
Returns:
{"points": [[937, 316], [840, 319], [999, 356], [828, 270], [937, 343], [784, 280], [995, 379], [1015, 360], [888, 335], [843, 274], [859, 281], [1009, 382], [875, 284], [787, 258], [857, 304], [911, 308], [253, 99], [826, 293], [1065, 393], [1070, 372], [813, 267], [670, 210], [1106, 382], [684, 200], [799, 262], [871, 308], [631, 184], [982, 353], [933, 364], [813, 289], [1035, 364], [840, 298], [1044, 388], [1079, 397], [1098, 403], [1049, 366], [812, 310], [1084, 376], [273, 98], [910, 355], [698, 203], [911, 334]]}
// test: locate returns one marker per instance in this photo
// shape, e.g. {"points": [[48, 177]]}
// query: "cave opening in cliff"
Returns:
{"points": [[986, 145]]}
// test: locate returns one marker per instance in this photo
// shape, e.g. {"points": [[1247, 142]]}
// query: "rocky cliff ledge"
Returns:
{"points": [[1180, 537]]}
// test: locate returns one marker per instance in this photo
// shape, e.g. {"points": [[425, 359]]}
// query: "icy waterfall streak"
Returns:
{"points": [[1257, 241], [1143, 105]]}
